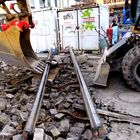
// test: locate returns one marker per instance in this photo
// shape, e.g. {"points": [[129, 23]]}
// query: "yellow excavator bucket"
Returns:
{"points": [[15, 46]]}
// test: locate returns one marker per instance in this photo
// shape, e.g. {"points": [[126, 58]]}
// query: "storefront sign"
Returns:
{"points": [[112, 1]]}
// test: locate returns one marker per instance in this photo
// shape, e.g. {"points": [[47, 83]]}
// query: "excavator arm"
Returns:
{"points": [[15, 46]]}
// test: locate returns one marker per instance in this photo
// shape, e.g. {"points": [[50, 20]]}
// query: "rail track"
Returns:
{"points": [[96, 127], [31, 108]]}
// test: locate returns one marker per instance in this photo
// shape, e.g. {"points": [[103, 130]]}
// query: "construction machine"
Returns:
{"points": [[15, 46], [124, 55]]}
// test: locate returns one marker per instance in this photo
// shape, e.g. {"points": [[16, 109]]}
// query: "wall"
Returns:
{"points": [[43, 36], [77, 27], [52, 3]]}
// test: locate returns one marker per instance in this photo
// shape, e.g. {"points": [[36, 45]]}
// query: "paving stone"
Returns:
{"points": [[23, 108], [59, 101], [66, 105], [53, 90], [73, 75], [69, 100], [53, 111], [14, 118], [77, 131], [81, 125], [15, 111], [23, 99], [64, 126], [71, 136], [78, 106], [74, 138], [46, 103], [54, 95], [8, 107], [60, 139], [9, 96], [82, 58], [29, 106], [55, 132], [16, 137], [47, 137], [87, 135], [8, 129], [80, 101], [5, 136], [59, 115], [16, 106], [38, 134], [42, 125], [14, 124], [4, 118], [3, 103], [1, 88], [23, 116]]}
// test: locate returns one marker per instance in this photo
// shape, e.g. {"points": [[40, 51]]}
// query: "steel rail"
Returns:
{"points": [[32, 120], [90, 107]]}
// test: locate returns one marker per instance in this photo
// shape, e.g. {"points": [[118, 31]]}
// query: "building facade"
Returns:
{"points": [[51, 3]]}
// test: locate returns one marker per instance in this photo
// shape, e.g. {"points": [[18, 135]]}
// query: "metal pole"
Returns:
{"points": [[90, 107]]}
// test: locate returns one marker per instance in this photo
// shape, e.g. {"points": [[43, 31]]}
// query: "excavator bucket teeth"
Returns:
{"points": [[102, 73], [16, 49]]}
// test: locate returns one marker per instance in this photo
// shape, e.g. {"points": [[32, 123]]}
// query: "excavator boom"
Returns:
{"points": [[15, 46]]}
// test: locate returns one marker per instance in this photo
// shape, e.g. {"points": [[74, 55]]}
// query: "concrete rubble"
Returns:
{"points": [[63, 115]]}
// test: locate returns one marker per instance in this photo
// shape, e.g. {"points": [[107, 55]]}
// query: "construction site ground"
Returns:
{"points": [[116, 97], [118, 105]]}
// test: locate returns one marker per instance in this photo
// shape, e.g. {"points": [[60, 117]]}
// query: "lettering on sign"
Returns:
{"points": [[112, 1], [90, 19], [68, 16]]}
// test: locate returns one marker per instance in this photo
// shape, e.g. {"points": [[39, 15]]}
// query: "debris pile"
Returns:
{"points": [[62, 115]]}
